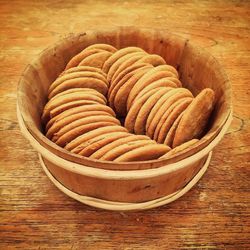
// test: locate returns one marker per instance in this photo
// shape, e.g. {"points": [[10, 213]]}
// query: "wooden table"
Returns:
{"points": [[213, 215]]}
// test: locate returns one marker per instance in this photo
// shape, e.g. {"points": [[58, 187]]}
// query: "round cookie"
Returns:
{"points": [[96, 60], [85, 137], [195, 118], [132, 113], [148, 152], [111, 146], [74, 61], [79, 109], [179, 149], [169, 120], [82, 82], [71, 118], [152, 59], [124, 148], [73, 75], [91, 146], [79, 69], [120, 93], [151, 76], [118, 54], [127, 63], [102, 46], [79, 131], [161, 107], [141, 119]]}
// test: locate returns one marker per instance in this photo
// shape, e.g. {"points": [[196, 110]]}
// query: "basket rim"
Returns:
{"points": [[160, 162]]}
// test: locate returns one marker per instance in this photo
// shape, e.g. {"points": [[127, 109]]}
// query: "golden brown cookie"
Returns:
{"points": [[59, 100], [179, 149], [119, 95], [144, 153], [82, 69], [124, 148], [132, 113], [111, 146], [59, 124], [79, 109], [73, 75], [151, 76], [96, 60], [171, 133], [195, 118], [141, 119], [152, 59], [115, 67], [102, 46], [91, 146], [74, 61], [127, 63], [118, 54], [73, 145], [162, 105], [168, 121], [81, 82]]}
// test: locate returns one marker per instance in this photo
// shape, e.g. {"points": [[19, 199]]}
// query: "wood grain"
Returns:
{"points": [[213, 215]]}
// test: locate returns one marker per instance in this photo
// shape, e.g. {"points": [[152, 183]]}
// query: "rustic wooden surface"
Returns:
{"points": [[213, 215]]}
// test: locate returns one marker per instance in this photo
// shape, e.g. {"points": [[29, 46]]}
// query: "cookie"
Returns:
{"points": [[132, 113], [76, 75], [144, 153], [74, 61], [96, 60], [127, 63], [85, 137], [91, 146], [83, 69], [120, 93], [59, 124], [151, 76], [124, 148], [161, 106], [141, 119], [102, 46], [154, 60], [111, 146], [81, 82], [79, 109], [195, 117], [164, 82], [179, 149], [165, 124], [118, 54]]}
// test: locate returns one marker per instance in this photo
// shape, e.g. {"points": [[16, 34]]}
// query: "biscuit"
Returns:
{"points": [[91, 146], [102, 46], [79, 131], [74, 61], [111, 146], [124, 148], [148, 152], [83, 69], [151, 76], [85, 137], [195, 117], [161, 107], [171, 133], [59, 124], [152, 59], [73, 75], [120, 93], [79, 109], [167, 121], [127, 63], [115, 67], [179, 149], [141, 118], [82, 82], [96, 60], [118, 54], [132, 113]]}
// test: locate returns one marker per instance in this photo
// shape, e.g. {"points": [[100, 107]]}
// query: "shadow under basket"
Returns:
{"points": [[133, 185]]}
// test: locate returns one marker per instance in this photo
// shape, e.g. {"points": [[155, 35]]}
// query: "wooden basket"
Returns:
{"points": [[124, 186]]}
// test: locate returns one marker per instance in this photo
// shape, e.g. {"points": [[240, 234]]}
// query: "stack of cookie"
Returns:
{"points": [[102, 83]]}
